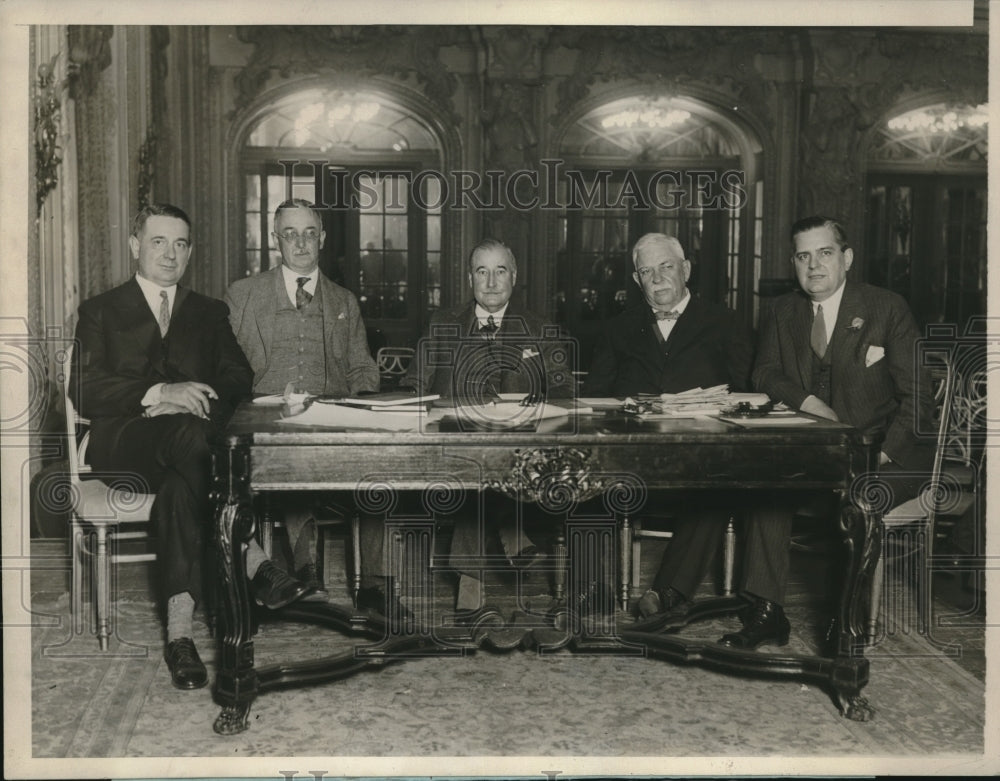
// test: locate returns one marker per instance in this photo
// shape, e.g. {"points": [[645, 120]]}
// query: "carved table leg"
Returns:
{"points": [[236, 681]]}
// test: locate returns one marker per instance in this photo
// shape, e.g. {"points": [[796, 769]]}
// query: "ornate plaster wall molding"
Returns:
{"points": [[379, 50]]}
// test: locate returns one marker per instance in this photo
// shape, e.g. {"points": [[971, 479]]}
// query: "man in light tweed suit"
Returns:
{"points": [[296, 326]]}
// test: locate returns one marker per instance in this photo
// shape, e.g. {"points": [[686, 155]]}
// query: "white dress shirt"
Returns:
{"points": [[831, 307], [483, 316], [291, 282], [666, 326], [151, 292]]}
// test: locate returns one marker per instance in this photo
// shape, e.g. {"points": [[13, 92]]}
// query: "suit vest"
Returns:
{"points": [[298, 352]]}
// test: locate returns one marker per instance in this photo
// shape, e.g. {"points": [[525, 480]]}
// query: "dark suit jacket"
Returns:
{"points": [[882, 396], [708, 346], [527, 347], [349, 366], [120, 355]]}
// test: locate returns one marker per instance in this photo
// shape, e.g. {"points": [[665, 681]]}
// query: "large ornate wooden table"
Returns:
{"points": [[566, 461]]}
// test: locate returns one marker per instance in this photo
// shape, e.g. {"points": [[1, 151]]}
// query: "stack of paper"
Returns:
{"points": [[699, 401]]}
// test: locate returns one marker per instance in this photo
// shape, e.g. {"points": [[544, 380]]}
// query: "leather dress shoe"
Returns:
{"points": [[307, 574], [186, 668], [273, 588], [375, 599], [528, 557], [666, 601], [767, 624]]}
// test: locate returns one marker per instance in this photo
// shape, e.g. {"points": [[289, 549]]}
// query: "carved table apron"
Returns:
{"points": [[572, 459]]}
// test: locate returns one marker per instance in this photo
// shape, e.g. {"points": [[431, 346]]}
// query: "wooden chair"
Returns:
{"points": [[98, 508], [329, 515], [393, 363], [633, 533], [913, 521]]}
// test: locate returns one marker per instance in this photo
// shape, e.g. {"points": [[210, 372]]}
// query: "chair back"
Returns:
{"points": [[394, 361], [936, 489], [76, 449]]}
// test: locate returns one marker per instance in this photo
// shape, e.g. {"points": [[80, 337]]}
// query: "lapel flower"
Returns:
{"points": [[856, 324]]}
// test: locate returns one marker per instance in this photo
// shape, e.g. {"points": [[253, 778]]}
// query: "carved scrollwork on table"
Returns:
{"points": [[553, 477]]}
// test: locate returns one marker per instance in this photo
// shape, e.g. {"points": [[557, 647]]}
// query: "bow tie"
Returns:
{"points": [[672, 315]]}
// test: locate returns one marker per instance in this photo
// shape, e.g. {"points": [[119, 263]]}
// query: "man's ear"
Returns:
{"points": [[848, 258], [687, 269], [133, 245], [322, 238]]}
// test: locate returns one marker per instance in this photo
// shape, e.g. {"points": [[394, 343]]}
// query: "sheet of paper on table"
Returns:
{"points": [[771, 420], [338, 416]]}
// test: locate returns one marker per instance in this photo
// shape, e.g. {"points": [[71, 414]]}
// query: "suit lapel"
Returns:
{"points": [[687, 328], [801, 329], [138, 320], [264, 305], [845, 339]]}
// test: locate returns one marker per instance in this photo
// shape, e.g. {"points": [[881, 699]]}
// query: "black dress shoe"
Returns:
{"points": [[375, 599], [767, 624], [186, 668], [273, 588], [307, 574], [663, 601]]}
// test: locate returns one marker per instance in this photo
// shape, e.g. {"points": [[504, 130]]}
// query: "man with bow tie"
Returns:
{"points": [[669, 343], [298, 327], [471, 355], [158, 373]]}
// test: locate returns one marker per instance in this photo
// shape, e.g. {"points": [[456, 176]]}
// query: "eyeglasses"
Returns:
{"points": [[292, 237]]}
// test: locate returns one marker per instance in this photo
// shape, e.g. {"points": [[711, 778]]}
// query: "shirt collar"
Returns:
{"points": [[681, 305], [482, 315], [291, 277], [831, 306], [151, 292]]}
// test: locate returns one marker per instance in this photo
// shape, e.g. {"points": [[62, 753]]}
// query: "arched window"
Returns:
{"points": [[358, 155], [641, 164], [925, 221]]}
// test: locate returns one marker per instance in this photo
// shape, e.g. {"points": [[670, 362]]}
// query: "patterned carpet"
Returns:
{"points": [[121, 704]]}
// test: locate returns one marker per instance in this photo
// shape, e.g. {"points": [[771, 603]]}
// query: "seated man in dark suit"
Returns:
{"points": [[159, 373], [298, 327], [673, 342], [840, 350], [495, 347]]}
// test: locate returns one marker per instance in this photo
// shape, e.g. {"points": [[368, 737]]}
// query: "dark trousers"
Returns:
{"points": [[171, 456], [767, 528]]}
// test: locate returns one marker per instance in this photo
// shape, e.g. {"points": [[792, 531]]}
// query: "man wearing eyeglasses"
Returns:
{"points": [[298, 327], [669, 343]]}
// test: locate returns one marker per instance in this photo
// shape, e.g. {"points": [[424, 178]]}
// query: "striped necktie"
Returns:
{"points": [[302, 297], [817, 338], [164, 313]]}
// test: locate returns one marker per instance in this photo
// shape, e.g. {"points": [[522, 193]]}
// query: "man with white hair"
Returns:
{"points": [[673, 342]]}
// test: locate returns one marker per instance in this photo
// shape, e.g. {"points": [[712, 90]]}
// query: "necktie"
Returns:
{"points": [[489, 328], [302, 296], [164, 313], [817, 339], [671, 315]]}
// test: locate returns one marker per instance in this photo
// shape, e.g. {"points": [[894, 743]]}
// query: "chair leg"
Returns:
{"points": [[729, 558], [625, 566], [559, 577], [876, 598], [76, 576], [103, 598], [635, 546], [356, 558]]}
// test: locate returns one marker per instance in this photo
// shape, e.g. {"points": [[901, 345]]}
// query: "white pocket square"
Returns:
{"points": [[874, 355], [527, 352], [342, 316]]}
